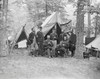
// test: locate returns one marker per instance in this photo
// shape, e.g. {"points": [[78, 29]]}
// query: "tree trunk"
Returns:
{"points": [[89, 20], [96, 27], [46, 8], [79, 30], [89, 25], [3, 34], [3, 45]]}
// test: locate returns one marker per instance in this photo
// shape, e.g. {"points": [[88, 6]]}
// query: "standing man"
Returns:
{"points": [[72, 43], [30, 39], [54, 37], [40, 40]]}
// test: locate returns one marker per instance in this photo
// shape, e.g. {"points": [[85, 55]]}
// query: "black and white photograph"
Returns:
{"points": [[49, 39]]}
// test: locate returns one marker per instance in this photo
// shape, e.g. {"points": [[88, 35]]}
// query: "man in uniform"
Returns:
{"points": [[62, 35], [54, 37], [62, 49], [72, 43], [30, 39], [48, 46], [40, 39], [32, 35]]}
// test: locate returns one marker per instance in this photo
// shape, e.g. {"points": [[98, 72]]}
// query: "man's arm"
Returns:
{"points": [[56, 36]]}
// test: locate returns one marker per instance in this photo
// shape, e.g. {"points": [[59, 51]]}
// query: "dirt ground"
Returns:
{"points": [[27, 67]]}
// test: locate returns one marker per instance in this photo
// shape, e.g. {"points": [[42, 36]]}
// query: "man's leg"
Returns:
{"points": [[55, 45], [41, 48], [48, 51], [72, 53], [39, 51]]}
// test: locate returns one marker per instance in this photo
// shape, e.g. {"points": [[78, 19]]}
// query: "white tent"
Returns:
{"points": [[22, 44], [22, 34], [95, 43], [50, 22], [55, 17], [20, 38]]}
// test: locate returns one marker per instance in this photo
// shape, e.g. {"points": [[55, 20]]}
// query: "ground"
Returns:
{"points": [[27, 67]]}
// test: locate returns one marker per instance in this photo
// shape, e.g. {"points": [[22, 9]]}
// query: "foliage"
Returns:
{"points": [[9, 17], [40, 9]]}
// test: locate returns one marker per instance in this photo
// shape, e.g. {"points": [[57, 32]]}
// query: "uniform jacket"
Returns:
{"points": [[40, 36], [53, 36]]}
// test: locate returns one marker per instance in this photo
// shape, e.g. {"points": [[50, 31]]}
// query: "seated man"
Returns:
{"points": [[48, 46], [62, 48], [54, 38]]}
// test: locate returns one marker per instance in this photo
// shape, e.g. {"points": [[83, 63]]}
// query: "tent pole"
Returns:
{"points": [[56, 21]]}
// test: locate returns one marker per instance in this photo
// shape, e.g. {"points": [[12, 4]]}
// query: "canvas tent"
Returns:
{"points": [[20, 38], [58, 31], [88, 40], [53, 20], [95, 43], [22, 33]]}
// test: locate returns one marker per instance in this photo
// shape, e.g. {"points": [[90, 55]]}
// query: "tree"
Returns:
{"points": [[89, 19], [3, 21], [96, 23], [79, 29], [97, 18], [38, 10], [79, 25], [96, 9]]}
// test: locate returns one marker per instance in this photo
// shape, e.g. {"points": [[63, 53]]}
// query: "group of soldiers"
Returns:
{"points": [[50, 47]]}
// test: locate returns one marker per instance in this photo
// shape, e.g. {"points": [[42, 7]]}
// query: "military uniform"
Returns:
{"points": [[62, 35], [30, 42], [62, 48], [40, 39], [54, 37], [65, 45], [48, 47], [31, 37]]}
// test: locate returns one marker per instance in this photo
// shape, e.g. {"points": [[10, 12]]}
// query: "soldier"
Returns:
{"points": [[62, 35], [48, 47], [72, 43], [65, 44], [32, 35], [30, 39], [40, 39], [54, 37], [62, 48]]}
